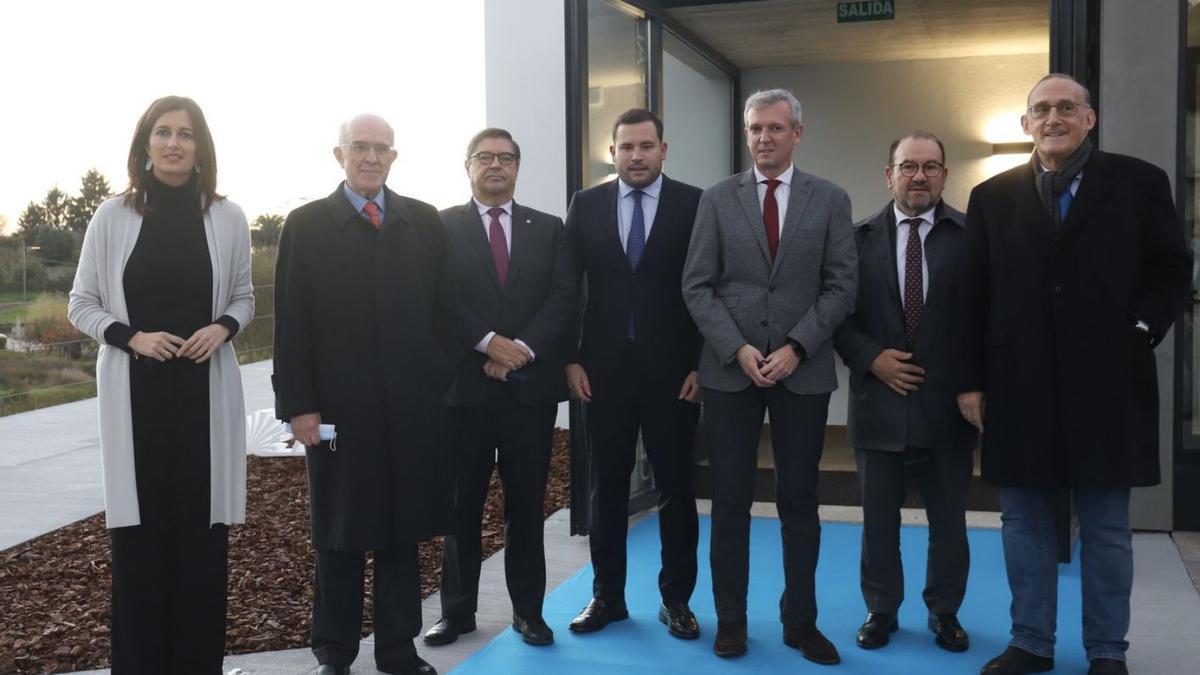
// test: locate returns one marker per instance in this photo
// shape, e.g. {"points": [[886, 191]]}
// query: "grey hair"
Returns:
{"points": [[765, 97], [344, 128], [1087, 94]]}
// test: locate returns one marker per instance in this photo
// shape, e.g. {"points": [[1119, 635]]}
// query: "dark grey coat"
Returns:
{"points": [[879, 418]]}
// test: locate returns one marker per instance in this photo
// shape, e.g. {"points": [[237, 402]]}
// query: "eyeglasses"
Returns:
{"points": [[362, 148], [486, 158], [909, 169], [1040, 111]]}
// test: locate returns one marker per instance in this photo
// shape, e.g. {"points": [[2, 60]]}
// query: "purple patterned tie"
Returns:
{"points": [[914, 282], [499, 245]]}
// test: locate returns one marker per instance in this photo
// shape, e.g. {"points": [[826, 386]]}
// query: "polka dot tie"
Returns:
{"points": [[914, 281]]}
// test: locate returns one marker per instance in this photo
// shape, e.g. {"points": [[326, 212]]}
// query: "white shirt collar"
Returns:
{"points": [[651, 190], [484, 208], [785, 177], [927, 216]]}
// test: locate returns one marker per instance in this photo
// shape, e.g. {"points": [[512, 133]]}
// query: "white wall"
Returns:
{"points": [[852, 112], [696, 111], [526, 94]]}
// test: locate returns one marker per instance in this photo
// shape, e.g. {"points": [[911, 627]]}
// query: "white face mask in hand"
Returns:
{"points": [[328, 433]]}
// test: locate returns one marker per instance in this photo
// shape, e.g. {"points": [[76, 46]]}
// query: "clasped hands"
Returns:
{"points": [[163, 346], [766, 371], [504, 356]]}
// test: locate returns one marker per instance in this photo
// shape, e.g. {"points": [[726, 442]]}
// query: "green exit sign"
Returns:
{"points": [[866, 10]]}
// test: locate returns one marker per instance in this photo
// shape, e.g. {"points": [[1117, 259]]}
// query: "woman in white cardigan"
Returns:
{"points": [[164, 284]]}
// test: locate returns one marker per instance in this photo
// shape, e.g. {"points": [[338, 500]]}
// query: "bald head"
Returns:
{"points": [[1068, 80], [375, 122]]}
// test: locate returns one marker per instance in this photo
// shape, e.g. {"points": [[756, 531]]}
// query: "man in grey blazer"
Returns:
{"points": [[770, 274], [903, 345]]}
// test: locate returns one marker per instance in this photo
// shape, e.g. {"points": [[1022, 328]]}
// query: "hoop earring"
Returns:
{"points": [[149, 164]]}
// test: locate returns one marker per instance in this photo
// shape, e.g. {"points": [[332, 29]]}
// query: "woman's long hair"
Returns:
{"points": [[206, 155]]}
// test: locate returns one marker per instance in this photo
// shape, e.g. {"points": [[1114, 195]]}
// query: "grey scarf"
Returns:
{"points": [[1051, 184]]}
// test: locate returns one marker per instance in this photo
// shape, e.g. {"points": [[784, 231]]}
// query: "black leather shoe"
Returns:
{"points": [[876, 631], [332, 669], [534, 631], [446, 631], [1107, 667], [418, 666], [679, 620], [597, 615], [948, 633], [1017, 661], [812, 644], [731, 639]]}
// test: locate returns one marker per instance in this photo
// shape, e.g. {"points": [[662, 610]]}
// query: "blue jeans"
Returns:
{"points": [[1106, 567]]}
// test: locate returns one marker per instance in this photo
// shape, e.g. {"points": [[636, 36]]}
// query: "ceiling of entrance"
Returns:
{"points": [[788, 32]]}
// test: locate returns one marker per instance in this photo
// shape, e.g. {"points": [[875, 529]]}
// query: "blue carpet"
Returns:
{"points": [[642, 645]]}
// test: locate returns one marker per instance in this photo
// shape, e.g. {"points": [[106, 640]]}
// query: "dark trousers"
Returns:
{"points": [[169, 573], [733, 421], [518, 440], [338, 606], [943, 478], [624, 402]]}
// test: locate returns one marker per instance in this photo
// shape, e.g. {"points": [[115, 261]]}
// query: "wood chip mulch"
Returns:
{"points": [[55, 590]]}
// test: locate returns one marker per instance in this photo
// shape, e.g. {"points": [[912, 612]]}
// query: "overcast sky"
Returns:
{"points": [[274, 80]]}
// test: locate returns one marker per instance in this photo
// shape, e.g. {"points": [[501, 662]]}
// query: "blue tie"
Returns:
{"points": [[1064, 203], [635, 244]]}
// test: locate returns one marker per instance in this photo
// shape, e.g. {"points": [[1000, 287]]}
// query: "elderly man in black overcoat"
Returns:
{"points": [[1076, 268], [368, 325]]}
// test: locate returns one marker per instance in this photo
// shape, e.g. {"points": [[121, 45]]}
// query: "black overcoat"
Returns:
{"points": [[368, 327], [1070, 383]]}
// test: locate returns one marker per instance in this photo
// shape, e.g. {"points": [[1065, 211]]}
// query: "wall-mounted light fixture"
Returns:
{"points": [[1018, 148]]}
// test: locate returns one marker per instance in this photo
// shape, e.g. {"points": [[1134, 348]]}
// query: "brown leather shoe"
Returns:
{"points": [[812, 644], [597, 615], [731, 639], [680, 621], [1017, 661]]}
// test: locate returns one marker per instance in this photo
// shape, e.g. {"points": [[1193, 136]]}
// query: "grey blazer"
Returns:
{"points": [[737, 296]]}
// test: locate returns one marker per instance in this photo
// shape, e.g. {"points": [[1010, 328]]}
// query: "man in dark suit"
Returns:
{"points": [[1076, 269], [636, 366], [901, 345], [512, 266], [367, 328], [770, 274]]}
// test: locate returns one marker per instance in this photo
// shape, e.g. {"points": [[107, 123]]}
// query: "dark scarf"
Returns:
{"points": [[1051, 184]]}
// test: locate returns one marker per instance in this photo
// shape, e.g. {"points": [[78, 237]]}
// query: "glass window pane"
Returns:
{"points": [[697, 106], [1190, 207], [616, 82]]}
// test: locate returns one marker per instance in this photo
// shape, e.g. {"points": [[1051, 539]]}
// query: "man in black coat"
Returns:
{"points": [[636, 366], [902, 347], [512, 266], [367, 327], [1076, 269]]}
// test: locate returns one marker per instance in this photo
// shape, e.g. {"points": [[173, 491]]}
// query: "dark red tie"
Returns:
{"points": [[914, 281], [771, 216], [372, 210], [499, 245]]}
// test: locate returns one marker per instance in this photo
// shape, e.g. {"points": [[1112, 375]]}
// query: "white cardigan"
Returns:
{"points": [[98, 300]]}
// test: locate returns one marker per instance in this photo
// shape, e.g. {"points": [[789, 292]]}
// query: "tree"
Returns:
{"points": [[93, 190], [55, 208], [266, 229], [30, 223]]}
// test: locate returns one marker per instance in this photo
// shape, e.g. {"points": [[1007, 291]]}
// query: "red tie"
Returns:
{"points": [[771, 216], [372, 210], [499, 245], [914, 282]]}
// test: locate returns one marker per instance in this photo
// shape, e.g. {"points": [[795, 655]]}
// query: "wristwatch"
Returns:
{"points": [[798, 348], [1142, 326]]}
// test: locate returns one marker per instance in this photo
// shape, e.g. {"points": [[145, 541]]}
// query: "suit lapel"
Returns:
{"points": [[612, 223], [660, 222], [1092, 188], [518, 251], [883, 249], [747, 193], [799, 195], [397, 212]]}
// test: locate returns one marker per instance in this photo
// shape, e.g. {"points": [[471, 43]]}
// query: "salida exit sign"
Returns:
{"points": [[866, 10]]}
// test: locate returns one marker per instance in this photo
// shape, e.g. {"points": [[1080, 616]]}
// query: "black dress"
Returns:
{"points": [[169, 573]]}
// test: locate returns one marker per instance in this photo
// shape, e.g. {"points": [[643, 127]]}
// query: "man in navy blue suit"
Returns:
{"points": [[636, 366]]}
